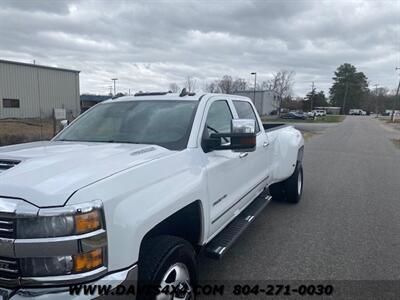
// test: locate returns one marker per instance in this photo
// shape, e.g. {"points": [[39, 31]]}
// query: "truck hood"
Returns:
{"points": [[48, 173]]}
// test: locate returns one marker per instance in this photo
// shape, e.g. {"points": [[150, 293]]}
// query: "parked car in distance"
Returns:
{"points": [[357, 112], [318, 112], [294, 115], [273, 113]]}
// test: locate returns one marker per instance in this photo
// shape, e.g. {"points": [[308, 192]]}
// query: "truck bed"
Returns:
{"points": [[273, 126]]}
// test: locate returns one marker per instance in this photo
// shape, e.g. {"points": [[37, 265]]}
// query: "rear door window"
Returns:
{"points": [[245, 111]]}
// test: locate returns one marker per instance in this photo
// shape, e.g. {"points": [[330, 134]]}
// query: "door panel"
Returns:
{"points": [[223, 167], [255, 170]]}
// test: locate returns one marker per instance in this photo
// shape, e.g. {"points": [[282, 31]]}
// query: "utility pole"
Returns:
{"points": [[397, 98], [345, 97], [114, 79], [376, 99], [110, 87], [312, 95]]}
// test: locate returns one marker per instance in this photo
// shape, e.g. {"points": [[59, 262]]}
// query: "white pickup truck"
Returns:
{"points": [[135, 188]]}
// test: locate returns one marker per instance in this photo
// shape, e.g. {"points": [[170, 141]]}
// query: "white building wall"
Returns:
{"points": [[265, 102], [39, 90]]}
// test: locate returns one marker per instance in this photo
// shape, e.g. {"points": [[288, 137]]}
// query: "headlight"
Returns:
{"points": [[51, 243], [60, 222], [44, 266], [42, 227], [62, 265]]}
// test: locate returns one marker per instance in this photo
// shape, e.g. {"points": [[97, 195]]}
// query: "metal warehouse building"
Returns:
{"points": [[265, 101], [34, 91]]}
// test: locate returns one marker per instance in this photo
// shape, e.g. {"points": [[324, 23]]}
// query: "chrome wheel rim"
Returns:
{"points": [[299, 183], [177, 281]]}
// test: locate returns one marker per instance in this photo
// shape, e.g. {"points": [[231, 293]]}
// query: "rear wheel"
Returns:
{"points": [[290, 189], [168, 262], [294, 185], [276, 190]]}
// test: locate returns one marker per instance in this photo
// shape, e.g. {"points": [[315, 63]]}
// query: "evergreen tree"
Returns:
{"points": [[349, 87]]}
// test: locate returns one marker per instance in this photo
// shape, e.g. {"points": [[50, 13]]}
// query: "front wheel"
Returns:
{"points": [[167, 262]]}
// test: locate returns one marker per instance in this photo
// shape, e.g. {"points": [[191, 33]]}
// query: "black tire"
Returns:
{"points": [[158, 255], [289, 190], [294, 185]]}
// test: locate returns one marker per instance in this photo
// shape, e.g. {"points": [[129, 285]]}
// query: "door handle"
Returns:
{"points": [[243, 154], [265, 144]]}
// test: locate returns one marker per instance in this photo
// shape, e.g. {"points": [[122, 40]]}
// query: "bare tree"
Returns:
{"points": [[190, 84], [211, 87], [173, 87], [266, 85], [282, 84], [226, 84], [239, 84], [382, 91]]}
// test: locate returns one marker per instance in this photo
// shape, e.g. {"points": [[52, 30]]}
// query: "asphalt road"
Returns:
{"points": [[313, 127], [347, 225]]}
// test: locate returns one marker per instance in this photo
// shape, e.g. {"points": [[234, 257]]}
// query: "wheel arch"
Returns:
{"points": [[300, 154], [186, 223]]}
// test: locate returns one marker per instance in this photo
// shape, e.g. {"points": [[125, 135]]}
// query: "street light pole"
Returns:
{"points": [[255, 84], [114, 79]]}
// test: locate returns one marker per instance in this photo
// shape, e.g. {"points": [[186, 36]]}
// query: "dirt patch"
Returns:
{"points": [[389, 125], [308, 135], [15, 131], [396, 142]]}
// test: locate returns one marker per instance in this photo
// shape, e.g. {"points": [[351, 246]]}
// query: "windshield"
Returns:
{"points": [[164, 123]]}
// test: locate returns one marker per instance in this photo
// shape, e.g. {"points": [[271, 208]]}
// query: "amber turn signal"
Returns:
{"points": [[87, 222], [84, 262]]}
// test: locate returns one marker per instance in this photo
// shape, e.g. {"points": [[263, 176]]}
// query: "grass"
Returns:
{"points": [[307, 135], [15, 131], [325, 119], [396, 142], [388, 119], [397, 121]]}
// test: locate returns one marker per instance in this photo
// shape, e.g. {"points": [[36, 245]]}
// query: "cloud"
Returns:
{"points": [[148, 44]]}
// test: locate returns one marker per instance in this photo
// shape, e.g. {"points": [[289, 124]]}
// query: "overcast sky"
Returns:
{"points": [[149, 44]]}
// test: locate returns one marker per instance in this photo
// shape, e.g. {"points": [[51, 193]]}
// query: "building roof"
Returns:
{"points": [[35, 65]]}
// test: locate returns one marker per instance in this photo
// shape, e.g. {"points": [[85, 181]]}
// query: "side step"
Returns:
{"points": [[225, 239]]}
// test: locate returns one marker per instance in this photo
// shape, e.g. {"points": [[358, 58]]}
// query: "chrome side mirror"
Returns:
{"points": [[243, 126], [242, 137]]}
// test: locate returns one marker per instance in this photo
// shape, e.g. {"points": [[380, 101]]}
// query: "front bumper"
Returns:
{"points": [[126, 278]]}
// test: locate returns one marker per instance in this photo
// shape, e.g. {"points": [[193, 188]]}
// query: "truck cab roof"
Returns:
{"points": [[172, 97]]}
